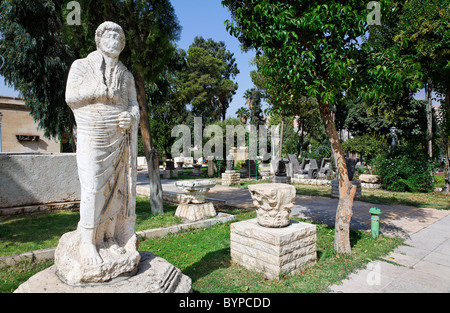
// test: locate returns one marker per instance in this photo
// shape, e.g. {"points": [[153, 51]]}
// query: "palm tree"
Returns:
{"points": [[243, 113]]}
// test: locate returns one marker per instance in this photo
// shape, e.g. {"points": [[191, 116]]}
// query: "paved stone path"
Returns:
{"points": [[422, 265]]}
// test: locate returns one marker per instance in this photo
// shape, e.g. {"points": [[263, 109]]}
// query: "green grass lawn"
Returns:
{"points": [[19, 234], [436, 200], [204, 255]]}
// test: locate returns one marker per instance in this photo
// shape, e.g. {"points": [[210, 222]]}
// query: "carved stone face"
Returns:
{"points": [[110, 43]]}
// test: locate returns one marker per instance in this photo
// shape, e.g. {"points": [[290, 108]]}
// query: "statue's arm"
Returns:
{"points": [[74, 95], [81, 88], [133, 104]]}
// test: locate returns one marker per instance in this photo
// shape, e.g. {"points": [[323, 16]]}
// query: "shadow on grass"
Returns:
{"points": [[37, 228], [208, 264]]}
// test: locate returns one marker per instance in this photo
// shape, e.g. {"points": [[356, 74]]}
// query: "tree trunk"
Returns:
{"points": [[347, 191], [152, 156], [73, 129], [281, 135], [447, 141], [428, 92]]}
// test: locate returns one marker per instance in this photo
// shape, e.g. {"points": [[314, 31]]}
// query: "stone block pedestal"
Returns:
{"points": [[273, 251], [195, 211], [335, 188], [193, 206], [231, 178]]}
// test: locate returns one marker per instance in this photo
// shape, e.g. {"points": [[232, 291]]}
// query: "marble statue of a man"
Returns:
{"points": [[102, 95]]}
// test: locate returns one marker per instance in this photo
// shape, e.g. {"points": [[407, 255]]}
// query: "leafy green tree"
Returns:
{"points": [[208, 84], [253, 99], [199, 81], [367, 146], [49, 45], [166, 109], [226, 87], [425, 29], [313, 47], [37, 60], [419, 30]]}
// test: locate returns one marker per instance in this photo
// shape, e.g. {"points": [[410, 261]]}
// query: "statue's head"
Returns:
{"points": [[110, 38]]}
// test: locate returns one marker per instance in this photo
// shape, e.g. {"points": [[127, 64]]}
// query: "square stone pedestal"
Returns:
{"points": [[231, 178], [273, 251]]}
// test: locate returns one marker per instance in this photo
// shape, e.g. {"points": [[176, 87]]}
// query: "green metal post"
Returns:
{"points": [[375, 222]]}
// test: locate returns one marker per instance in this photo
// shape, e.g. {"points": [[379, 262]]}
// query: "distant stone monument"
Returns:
{"points": [[230, 177], [194, 206], [309, 169], [170, 171], [101, 93], [280, 172], [249, 169], [272, 243], [197, 169], [351, 168], [212, 168], [325, 168]]}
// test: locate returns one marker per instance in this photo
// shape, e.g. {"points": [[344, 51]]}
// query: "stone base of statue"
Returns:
{"points": [[272, 243], [154, 275], [195, 211], [116, 263], [280, 179], [273, 251], [230, 178]]}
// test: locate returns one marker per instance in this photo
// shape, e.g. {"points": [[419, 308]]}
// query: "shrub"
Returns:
{"points": [[405, 170]]}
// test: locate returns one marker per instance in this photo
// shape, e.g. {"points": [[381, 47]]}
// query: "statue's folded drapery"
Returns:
{"points": [[107, 170]]}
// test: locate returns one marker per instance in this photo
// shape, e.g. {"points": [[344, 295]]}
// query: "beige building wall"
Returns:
{"points": [[18, 128]]}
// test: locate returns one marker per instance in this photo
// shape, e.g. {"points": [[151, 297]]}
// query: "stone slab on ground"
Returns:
{"points": [[155, 275], [273, 251]]}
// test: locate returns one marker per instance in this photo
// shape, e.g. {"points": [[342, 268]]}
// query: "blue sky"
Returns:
{"points": [[204, 18]]}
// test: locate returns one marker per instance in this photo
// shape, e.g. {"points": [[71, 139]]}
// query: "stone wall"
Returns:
{"points": [[32, 179]]}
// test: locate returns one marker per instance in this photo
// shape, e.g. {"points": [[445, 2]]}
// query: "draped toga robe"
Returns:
{"points": [[106, 153]]}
